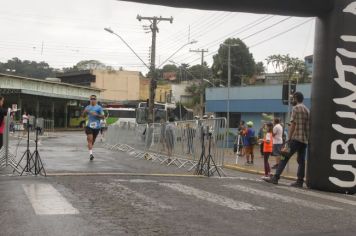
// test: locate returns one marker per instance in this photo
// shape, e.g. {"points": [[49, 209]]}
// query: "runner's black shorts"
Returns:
{"points": [[94, 132]]}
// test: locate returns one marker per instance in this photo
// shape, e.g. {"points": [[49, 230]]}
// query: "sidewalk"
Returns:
{"points": [[290, 172]]}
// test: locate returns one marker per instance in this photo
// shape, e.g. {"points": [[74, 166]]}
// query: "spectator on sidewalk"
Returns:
{"points": [[277, 141], [267, 149], [170, 137], [3, 113], [104, 125], [189, 132], [12, 122], [238, 143], [249, 142], [261, 134], [298, 137], [162, 139], [25, 119]]}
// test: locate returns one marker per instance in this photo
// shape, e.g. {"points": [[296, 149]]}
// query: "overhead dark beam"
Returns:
{"points": [[279, 7]]}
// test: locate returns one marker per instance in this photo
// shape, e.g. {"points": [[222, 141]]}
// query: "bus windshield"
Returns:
{"points": [[120, 114], [142, 115]]}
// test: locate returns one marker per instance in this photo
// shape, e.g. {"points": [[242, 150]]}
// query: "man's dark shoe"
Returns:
{"points": [[273, 180], [91, 157], [297, 184]]}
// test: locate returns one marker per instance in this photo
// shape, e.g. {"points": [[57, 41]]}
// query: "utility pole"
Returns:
{"points": [[228, 86], [228, 81], [202, 51], [153, 84]]}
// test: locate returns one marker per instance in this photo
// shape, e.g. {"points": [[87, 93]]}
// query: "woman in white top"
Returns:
{"points": [[25, 121], [277, 141]]}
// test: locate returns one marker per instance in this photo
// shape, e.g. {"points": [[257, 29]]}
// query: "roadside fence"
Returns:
{"points": [[48, 127], [6, 157], [181, 144]]}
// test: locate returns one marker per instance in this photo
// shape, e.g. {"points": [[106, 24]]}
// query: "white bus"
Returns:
{"points": [[117, 115], [161, 111]]}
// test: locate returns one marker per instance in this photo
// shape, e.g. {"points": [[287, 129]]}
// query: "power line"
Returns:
{"points": [[307, 41], [251, 35], [216, 24], [237, 31], [279, 34], [177, 42], [196, 23], [258, 32]]}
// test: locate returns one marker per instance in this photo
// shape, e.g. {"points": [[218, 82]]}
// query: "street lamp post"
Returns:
{"points": [[229, 82], [191, 42], [112, 32]]}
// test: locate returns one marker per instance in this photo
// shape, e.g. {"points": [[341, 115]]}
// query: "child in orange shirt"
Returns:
{"points": [[267, 149]]}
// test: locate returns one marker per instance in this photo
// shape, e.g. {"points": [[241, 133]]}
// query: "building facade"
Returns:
{"points": [[47, 99], [251, 103], [117, 86], [163, 91]]}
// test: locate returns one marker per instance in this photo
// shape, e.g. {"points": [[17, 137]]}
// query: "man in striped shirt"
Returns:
{"points": [[297, 139]]}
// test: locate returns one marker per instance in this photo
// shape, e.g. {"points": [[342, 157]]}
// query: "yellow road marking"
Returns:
{"points": [[251, 171]]}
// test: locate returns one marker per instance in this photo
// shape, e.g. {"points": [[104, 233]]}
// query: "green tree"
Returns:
{"points": [[169, 68], [88, 65], [260, 68], [183, 73], [26, 68], [199, 72], [195, 90], [293, 67], [242, 62]]}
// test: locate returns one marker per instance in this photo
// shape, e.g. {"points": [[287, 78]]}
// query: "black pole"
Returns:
{"points": [[28, 154]]}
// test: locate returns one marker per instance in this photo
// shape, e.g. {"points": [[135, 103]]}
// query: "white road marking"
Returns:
{"points": [[134, 198], [319, 195], [280, 197], [46, 200], [211, 197]]}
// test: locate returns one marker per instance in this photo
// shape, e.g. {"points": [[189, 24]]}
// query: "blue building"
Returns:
{"points": [[250, 103]]}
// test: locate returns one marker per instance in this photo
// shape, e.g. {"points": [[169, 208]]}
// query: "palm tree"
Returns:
{"points": [[291, 66]]}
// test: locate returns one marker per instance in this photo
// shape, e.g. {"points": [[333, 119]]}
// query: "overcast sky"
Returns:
{"points": [[71, 31]]}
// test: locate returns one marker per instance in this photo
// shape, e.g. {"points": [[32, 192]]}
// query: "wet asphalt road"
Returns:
{"points": [[131, 203]]}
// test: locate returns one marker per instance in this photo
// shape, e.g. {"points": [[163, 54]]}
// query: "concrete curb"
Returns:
{"points": [[252, 171]]}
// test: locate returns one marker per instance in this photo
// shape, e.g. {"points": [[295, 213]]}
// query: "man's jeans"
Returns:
{"points": [[300, 148]]}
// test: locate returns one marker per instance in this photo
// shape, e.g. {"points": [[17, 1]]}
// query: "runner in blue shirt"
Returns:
{"points": [[95, 113]]}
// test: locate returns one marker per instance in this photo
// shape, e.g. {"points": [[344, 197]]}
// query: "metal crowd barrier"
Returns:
{"points": [[7, 158], [150, 141], [48, 127]]}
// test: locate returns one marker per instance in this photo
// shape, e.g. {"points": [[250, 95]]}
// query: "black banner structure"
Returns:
{"points": [[332, 149]]}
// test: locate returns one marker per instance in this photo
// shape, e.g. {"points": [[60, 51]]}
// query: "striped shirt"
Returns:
{"points": [[301, 116]]}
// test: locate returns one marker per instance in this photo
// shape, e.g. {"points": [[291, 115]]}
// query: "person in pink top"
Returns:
{"points": [[3, 113]]}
